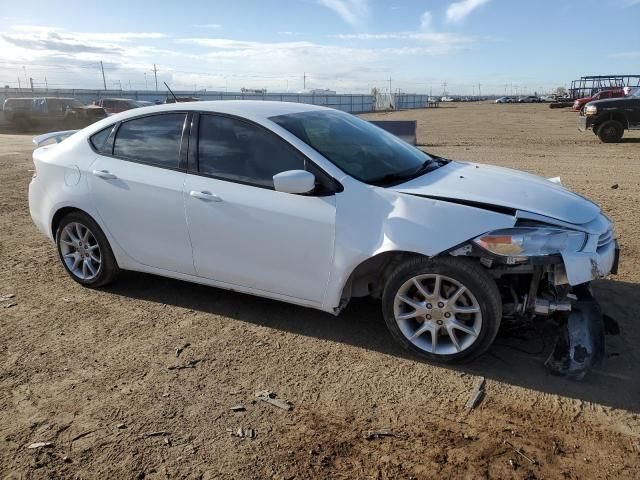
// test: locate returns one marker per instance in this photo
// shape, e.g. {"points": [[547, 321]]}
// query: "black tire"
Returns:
{"points": [[108, 269], [610, 131], [466, 272]]}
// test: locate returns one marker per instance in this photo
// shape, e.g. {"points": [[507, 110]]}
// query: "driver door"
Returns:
{"points": [[245, 233]]}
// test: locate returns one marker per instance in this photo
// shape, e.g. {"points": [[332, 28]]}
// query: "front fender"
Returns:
{"points": [[373, 220]]}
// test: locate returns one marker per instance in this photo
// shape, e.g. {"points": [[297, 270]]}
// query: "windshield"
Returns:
{"points": [[357, 147], [636, 93]]}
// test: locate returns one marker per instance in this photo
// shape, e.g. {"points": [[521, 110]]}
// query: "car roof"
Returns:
{"points": [[244, 108], [255, 110]]}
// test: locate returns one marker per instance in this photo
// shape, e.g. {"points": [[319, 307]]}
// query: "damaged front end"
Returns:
{"points": [[539, 279]]}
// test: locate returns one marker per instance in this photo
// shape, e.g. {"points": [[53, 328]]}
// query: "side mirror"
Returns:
{"points": [[294, 181]]}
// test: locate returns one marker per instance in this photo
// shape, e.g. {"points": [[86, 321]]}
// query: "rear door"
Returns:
{"points": [[137, 183]]}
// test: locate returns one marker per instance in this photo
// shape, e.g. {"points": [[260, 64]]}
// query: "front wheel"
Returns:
{"points": [[442, 309], [610, 131], [85, 251]]}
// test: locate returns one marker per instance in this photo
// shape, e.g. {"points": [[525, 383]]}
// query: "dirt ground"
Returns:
{"points": [[87, 370]]}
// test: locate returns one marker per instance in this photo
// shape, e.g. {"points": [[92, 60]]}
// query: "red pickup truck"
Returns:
{"points": [[601, 95]]}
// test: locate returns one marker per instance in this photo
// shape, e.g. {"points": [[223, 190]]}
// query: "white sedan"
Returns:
{"points": [[314, 206]]}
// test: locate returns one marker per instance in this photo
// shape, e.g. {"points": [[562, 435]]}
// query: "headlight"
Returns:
{"points": [[531, 242], [591, 110]]}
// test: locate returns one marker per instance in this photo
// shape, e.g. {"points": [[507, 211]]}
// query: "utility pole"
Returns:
{"points": [[155, 74], [479, 91], [389, 84], [46, 84], [19, 86], [104, 80], [31, 81], [304, 80]]}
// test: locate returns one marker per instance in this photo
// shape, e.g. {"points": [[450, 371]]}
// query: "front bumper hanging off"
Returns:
{"points": [[581, 345]]}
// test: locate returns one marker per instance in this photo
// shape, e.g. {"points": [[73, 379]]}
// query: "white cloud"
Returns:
{"points": [[430, 43], [426, 19], [72, 59], [459, 10], [354, 12], [214, 26]]}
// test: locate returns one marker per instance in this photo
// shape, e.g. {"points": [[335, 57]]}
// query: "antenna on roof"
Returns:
{"points": [[170, 91]]}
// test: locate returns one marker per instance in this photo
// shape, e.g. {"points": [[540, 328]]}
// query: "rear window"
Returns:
{"points": [[155, 139]]}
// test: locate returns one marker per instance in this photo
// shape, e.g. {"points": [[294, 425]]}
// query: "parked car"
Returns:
{"points": [[505, 100], [314, 206], [609, 118], [27, 112], [144, 103], [16, 109], [181, 99], [529, 99], [447, 99], [601, 95], [117, 105]]}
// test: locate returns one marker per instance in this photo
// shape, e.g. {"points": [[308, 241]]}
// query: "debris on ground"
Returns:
{"points": [[121, 426], [238, 408], [270, 397], [615, 186], [179, 350], [159, 433], [382, 432], [40, 445], [241, 432], [7, 296], [189, 364], [477, 394], [9, 305], [520, 452], [84, 434]]}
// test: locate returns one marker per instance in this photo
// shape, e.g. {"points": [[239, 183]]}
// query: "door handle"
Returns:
{"points": [[205, 196], [104, 174]]}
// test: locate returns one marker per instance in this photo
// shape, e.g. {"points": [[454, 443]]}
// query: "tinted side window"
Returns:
{"points": [[240, 151], [154, 140]]}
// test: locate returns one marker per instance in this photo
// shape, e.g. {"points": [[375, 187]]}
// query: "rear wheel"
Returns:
{"points": [[442, 309], [610, 131], [84, 251]]}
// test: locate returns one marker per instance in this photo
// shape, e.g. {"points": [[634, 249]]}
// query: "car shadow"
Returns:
{"points": [[517, 356]]}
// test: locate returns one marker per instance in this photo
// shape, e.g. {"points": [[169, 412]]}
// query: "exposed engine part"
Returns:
{"points": [[582, 343], [542, 306]]}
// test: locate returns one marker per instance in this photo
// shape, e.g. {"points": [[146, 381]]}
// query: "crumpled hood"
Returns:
{"points": [[502, 187]]}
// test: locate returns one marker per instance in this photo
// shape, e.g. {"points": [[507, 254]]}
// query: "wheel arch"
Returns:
{"points": [[61, 213], [369, 276], [617, 116]]}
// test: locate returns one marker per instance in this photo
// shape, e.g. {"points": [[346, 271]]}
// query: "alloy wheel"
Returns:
{"points": [[80, 251], [437, 314]]}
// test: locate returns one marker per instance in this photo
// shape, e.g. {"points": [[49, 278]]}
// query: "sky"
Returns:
{"points": [[351, 46]]}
